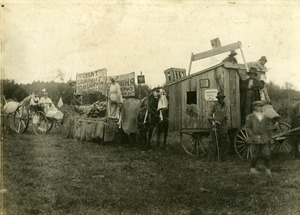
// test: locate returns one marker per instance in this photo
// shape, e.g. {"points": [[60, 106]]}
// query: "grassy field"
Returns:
{"points": [[54, 175]]}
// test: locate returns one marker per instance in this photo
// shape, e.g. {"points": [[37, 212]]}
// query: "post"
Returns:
{"points": [[140, 89], [191, 63], [240, 44]]}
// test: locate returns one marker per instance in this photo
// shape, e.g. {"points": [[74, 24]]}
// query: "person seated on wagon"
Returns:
{"points": [[46, 102], [218, 117], [34, 102], [260, 67], [231, 57], [260, 131]]}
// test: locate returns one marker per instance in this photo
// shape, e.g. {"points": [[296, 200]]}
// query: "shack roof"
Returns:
{"points": [[228, 65]]}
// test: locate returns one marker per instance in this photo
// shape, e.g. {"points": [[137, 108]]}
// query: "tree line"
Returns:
{"points": [[17, 92]]}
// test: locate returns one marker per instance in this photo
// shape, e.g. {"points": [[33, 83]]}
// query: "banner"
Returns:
{"points": [[127, 84], [89, 82]]}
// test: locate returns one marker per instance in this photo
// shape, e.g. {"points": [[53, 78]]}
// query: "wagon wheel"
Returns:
{"points": [[242, 144], [21, 119], [192, 143], [40, 123], [282, 143], [61, 125], [50, 124]]}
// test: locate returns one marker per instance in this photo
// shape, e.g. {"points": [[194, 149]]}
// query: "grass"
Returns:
{"points": [[54, 175]]}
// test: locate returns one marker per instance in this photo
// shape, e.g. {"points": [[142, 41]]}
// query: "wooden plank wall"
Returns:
{"points": [[175, 109], [234, 99], [228, 81]]}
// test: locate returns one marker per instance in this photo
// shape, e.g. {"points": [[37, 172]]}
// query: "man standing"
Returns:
{"points": [[249, 92], [259, 128], [231, 57], [219, 136]]}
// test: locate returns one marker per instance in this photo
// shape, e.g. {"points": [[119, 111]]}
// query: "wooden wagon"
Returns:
{"points": [[93, 88], [192, 96]]}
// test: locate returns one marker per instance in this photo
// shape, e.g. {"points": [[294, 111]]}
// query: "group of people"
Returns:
{"points": [[115, 100], [254, 98], [40, 104]]}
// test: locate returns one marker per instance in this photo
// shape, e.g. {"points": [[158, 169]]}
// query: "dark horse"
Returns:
{"points": [[154, 121]]}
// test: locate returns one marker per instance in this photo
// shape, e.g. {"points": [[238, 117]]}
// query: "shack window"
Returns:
{"points": [[191, 97]]}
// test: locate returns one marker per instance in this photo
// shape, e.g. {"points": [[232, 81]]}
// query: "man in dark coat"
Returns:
{"points": [[249, 92], [219, 135], [231, 57], [260, 132]]}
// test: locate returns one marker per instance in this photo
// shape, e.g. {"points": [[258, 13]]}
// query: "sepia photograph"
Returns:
{"points": [[123, 107]]}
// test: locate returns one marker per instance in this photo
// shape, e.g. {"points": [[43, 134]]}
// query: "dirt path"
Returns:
{"points": [[53, 175]]}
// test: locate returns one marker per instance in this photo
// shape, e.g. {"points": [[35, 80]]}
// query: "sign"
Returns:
{"points": [[204, 83], [127, 83], [141, 79], [215, 43], [210, 95], [216, 51], [89, 82]]}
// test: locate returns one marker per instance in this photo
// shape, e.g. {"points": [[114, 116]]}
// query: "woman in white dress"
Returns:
{"points": [[115, 99]]}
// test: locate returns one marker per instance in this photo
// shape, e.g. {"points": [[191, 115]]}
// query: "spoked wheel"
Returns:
{"points": [[50, 125], [193, 144], [61, 125], [40, 123], [282, 143], [21, 119], [242, 144]]}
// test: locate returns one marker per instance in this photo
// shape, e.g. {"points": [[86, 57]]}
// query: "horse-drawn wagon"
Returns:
{"points": [[41, 121], [192, 96], [97, 120]]}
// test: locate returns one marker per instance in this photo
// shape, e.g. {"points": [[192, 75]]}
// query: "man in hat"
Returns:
{"points": [[259, 128], [152, 113], [218, 117], [249, 92], [260, 66], [231, 57], [153, 105], [261, 75]]}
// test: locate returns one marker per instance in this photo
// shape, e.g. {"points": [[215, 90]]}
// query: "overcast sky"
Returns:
{"points": [[147, 36]]}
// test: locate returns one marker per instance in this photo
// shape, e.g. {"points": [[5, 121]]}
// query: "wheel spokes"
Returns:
{"points": [[242, 144], [192, 144]]}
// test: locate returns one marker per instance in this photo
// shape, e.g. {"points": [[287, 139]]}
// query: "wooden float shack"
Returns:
{"points": [[191, 97]]}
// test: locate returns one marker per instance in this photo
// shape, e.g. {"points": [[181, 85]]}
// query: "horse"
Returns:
{"points": [[295, 122], [132, 118], [7, 113], [153, 120]]}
